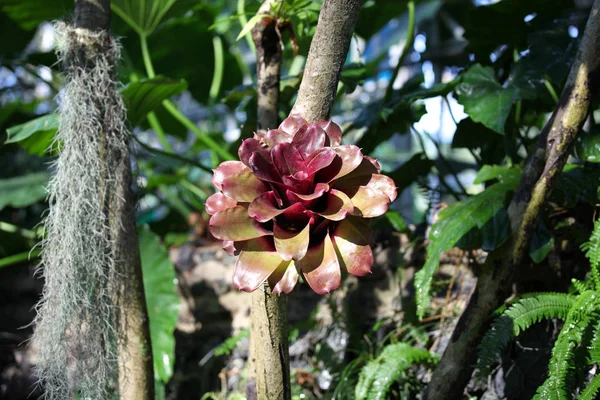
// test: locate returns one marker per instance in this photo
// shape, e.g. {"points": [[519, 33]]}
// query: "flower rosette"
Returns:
{"points": [[295, 204]]}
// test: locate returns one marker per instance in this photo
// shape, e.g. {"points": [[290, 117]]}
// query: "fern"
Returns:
{"points": [[517, 318], [594, 347], [379, 374], [592, 252], [557, 386], [591, 390]]}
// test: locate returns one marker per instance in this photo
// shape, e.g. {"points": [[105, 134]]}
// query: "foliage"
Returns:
{"points": [[378, 375]]}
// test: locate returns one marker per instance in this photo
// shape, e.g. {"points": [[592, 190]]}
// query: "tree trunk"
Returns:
{"points": [[543, 167]]}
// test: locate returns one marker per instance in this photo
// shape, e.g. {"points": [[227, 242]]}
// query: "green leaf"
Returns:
{"points": [[455, 222], [147, 95], [380, 374], [23, 191], [484, 98], [21, 132], [503, 174], [396, 220], [249, 25], [30, 13], [142, 16], [588, 145], [540, 244], [496, 231], [162, 302]]}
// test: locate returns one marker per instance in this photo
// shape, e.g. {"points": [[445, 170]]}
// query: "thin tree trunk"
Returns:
{"points": [[269, 364], [134, 349], [543, 167]]}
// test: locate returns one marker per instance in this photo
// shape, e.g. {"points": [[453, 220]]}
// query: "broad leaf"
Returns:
{"points": [[147, 95], [484, 98], [30, 13], [503, 174], [142, 16], [44, 128], [162, 302], [455, 222], [540, 244], [23, 191], [588, 146]]}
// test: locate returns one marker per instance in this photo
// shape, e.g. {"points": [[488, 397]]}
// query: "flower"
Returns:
{"points": [[295, 204]]}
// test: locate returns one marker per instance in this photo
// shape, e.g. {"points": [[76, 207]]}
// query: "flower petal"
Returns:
{"points": [[383, 184], [368, 203], [292, 123], [256, 262], [351, 240], [247, 148], [275, 136], [237, 181], [349, 157], [320, 188], [225, 170], [319, 160], [291, 245], [264, 207], [338, 206], [333, 131], [235, 224], [359, 176], [309, 139], [288, 161], [263, 167], [321, 268], [233, 248], [284, 280], [218, 202]]}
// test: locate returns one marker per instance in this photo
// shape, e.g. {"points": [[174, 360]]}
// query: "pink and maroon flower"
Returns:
{"points": [[295, 204]]}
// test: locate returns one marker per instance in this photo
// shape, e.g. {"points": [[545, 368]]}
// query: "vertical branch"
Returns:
{"points": [[326, 58], [269, 369], [92, 325], [543, 167]]}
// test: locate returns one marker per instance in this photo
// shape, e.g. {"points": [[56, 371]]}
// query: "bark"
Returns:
{"points": [[269, 365], [134, 349], [326, 58], [543, 167]]}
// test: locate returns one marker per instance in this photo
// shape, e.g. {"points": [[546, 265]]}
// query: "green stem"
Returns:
{"points": [[217, 79], [178, 115], [551, 90], [174, 156], [410, 36], [17, 258], [241, 10], [160, 133], [10, 228]]}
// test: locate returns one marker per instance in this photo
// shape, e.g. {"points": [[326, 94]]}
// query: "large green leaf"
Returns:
{"points": [[147, 95], [143, 16], [44, 128], [162, 302], [30, 13], [484, 98], [588, 145], [23, 191], [455, 222]]}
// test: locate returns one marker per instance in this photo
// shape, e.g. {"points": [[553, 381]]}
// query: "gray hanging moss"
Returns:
{"points": [[76, 331]]}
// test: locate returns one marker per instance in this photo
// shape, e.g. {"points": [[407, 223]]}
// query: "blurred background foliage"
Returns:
{"points": [[449, 95]]}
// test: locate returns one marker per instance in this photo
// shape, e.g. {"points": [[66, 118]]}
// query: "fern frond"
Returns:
{"points": [[594, 346], [581, 286], [517, 318], [592, 252], [557, 385], [589, 393], [379, 374]]}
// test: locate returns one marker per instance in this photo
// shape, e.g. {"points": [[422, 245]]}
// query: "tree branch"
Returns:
{"points": [[269, 365], [543, 167], [326, 58]]}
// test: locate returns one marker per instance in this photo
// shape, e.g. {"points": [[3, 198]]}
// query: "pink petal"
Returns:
{"points": [[374, 162], [218, 202], [243, 187], [338, 206], [320, 188], [283, 281], [368, 202], [383, 184], [319, 160], [233, 248], [235, 224], [274, 137], [264, 207], [349, 157], [263, 167], [333, 131], [288, 161], [351, 239], [292, 123], [256, 262], [321, 268], [225, 170], [309, 139], [291, 245], [359, 176], [247, 148]]}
